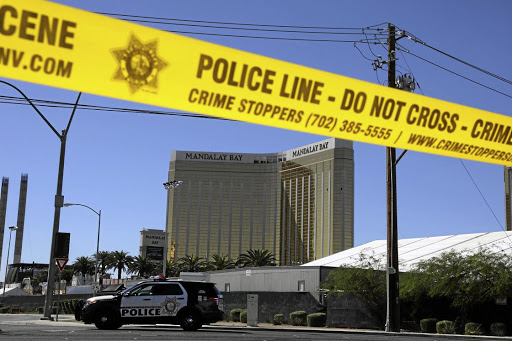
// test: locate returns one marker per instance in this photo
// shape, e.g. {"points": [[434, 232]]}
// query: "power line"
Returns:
{"points": [[200, 23], [409, 68], [453, 72], [56, 104], [247, 29], [371, 60], [244, 24], [481, 194], [369, 47], [271, 38], [467, 171], [272, 28], [417, 40]]}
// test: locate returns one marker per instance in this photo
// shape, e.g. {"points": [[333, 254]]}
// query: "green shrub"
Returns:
{"points": [[243, 316], [445, 327], [67, 306], [498, 329], [473, 328], [71, 306], [317, 319], [4, 310], [428, 325], [298, 318], [278, 319], [234, 315]]}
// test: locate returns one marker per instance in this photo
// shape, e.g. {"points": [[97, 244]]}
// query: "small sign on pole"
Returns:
{"points": [[61, 262]]}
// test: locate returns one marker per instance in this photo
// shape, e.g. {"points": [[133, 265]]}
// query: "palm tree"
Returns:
{"points": [[67, 274], [172, 268], [141, 266], [256, 258], [221, 262], [84, 265], [104, 261], [192, 263], [120, 261]]}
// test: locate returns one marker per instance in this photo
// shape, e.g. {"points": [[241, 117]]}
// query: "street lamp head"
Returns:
{"points": [[13, 228]]}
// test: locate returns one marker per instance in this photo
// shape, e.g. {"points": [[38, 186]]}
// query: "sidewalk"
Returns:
{"points": [[285, 327], [22, 319]]}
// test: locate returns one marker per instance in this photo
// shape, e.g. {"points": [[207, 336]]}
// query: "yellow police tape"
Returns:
{"points": [[56, 45]]}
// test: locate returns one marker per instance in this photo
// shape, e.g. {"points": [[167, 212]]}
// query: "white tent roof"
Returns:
{"points": [[80, 289], [411, 251], [13, 292]]}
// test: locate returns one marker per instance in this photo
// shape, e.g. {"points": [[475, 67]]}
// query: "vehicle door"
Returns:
{"points": [[170, 298], [138, 303]]}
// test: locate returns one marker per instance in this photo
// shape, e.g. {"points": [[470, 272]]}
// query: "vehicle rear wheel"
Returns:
{"points": [[107, 320], [190, 321]]}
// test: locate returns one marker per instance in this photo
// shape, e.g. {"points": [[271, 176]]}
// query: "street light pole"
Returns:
{"points": [[96, 278], [59, 199], [11, 228], [168, 185]]}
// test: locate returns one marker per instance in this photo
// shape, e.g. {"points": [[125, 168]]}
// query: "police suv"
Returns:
{"points": [[187, 303]]}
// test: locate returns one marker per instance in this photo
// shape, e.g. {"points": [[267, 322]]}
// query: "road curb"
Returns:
{"points": [[229, 326], [359, 332]]}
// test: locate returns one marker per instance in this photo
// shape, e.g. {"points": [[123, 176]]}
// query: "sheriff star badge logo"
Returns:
{"points": [[139, 64], [170, 305]]}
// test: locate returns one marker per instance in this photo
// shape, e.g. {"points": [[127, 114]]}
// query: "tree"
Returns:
{"points": [[141, 266], [37, 280], [256, 258], [467, 279], [365, 280], [221, 262], [120, 261], [104, 261], [172, 269], [192, 263], [67, 274], [84, 266]]}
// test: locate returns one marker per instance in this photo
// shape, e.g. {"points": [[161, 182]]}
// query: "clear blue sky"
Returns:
{"points": [[117, 162]]}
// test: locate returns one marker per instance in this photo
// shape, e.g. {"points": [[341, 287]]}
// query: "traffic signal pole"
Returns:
{"points": [[392, 283]]}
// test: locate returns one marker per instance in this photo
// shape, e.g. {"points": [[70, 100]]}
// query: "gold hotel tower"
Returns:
{"points": [[298, 204]]}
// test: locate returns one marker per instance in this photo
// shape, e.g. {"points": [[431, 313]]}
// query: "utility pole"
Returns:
{"points": [[393, 305], [508, 193]]}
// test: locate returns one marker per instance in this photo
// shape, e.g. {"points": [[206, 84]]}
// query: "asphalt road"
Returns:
{"points": [[30, 328]]}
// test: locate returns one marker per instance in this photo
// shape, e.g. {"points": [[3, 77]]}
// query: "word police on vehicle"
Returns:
{"points": [[187, 303]]}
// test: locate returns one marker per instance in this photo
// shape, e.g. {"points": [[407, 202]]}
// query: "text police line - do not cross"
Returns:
{"points": [[55, 45]]}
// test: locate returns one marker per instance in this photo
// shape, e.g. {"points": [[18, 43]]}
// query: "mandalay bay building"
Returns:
{"points": [[298, 204]]}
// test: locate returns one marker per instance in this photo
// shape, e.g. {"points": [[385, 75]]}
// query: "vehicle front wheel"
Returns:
{"points": [[190, 321], [107, 320]]}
